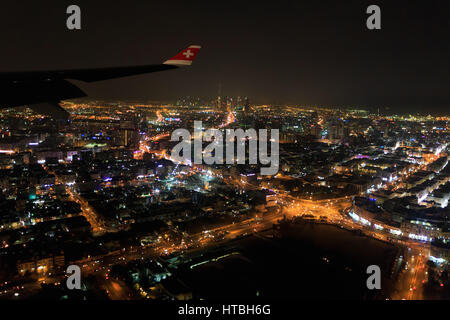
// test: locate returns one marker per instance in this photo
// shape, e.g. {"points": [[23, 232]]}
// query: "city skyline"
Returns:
{"points": [[289, 53], [303, 156]]}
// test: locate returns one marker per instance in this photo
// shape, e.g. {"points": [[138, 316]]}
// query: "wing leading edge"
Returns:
{"points": [[47, 88]]}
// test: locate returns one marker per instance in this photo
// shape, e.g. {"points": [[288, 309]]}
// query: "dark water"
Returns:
{"points": [[310, 261]]}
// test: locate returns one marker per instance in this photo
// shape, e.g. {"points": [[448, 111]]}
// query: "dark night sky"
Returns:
{"points": [[303, 52]]}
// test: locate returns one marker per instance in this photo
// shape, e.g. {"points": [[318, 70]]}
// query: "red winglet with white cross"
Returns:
{"points": [[185, 57]]}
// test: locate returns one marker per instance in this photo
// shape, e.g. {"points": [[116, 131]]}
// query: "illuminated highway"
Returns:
{"points": [[97, 225]]}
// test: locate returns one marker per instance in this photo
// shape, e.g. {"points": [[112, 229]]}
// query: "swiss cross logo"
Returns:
{"points": [[188, 54]]}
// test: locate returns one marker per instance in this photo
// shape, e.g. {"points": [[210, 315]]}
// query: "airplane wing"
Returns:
{"points": [[43, 90]]}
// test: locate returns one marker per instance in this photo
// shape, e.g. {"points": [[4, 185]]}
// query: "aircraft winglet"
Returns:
{"points": [[185, 57]]}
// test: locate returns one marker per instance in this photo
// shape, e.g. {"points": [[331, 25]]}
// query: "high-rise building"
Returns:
{"points": [[336, 129]]}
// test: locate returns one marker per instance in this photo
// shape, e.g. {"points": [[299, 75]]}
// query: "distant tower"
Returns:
{"points": [[238, 102], [219, 99], [246, 104], [386, 131], [336, 129]]}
